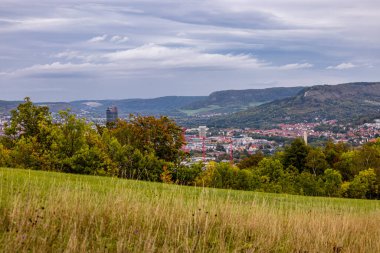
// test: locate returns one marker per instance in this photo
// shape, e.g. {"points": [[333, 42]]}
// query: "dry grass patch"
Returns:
{"points": [[52, 212]]}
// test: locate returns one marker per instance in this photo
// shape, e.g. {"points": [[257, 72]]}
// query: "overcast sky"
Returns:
{"points": [[69, 50]]}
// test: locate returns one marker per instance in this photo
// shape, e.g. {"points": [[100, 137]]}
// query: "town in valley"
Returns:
{"points": [[204, 144]]}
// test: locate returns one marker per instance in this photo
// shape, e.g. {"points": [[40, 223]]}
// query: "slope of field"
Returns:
{"points": [[53, 212]]}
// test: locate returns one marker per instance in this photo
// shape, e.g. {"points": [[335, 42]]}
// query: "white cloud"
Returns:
{"points": [[148, 58], [343, 66], [55, 69], [68, 54], [296, 66], [98, 39], [155, 56], [119, 39], [37, 24], [77, 55]]}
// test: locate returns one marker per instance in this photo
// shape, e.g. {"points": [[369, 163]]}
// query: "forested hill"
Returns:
{"points": [[155, 106], [237, 100], [219, 101], [6, 106], [350, 103], [96, 108]]}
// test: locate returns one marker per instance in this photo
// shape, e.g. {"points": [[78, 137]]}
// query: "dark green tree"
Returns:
{"points": [[251, 161], [363, 185], [316, 161], [296, 154], [333, 182]]}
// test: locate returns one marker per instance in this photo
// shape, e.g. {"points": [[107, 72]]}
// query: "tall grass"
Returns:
{"points": [[54, 212]]}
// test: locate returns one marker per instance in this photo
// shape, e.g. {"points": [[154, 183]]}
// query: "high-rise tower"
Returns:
{"points": [[305, 137], [111, 113], [202, 131]]}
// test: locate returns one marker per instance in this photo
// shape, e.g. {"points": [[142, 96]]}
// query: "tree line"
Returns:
{"points": [[334, 170], [149, 148], [137, 148]]}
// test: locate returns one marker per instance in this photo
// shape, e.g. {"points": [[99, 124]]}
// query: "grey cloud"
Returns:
{"points": [[178, 43]]}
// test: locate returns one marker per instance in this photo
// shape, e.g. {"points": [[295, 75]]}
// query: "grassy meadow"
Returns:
{"points": [[56, 212]]}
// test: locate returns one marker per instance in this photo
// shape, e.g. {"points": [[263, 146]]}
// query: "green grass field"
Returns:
{"points": [[55, 212]]}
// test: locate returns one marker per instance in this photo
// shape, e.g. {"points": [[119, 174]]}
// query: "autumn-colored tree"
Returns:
{"points": [[166, 175], [149, 134], [4, 156]]}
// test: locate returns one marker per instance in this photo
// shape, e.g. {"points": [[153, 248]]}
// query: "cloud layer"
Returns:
{"points": [[118, 49]]}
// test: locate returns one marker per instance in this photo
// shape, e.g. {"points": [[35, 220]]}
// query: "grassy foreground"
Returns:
{"points": [[54, 212]]}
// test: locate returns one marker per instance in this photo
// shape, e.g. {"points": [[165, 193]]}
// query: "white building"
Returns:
{"points": [[202, 131]]}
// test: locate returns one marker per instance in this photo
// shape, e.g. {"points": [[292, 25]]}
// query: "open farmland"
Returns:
{"points": [[56, 212]]}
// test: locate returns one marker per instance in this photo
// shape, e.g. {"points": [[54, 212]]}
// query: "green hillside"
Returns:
{"points": [[238, 100], [348, 103], [56, 212], [180, 106]]}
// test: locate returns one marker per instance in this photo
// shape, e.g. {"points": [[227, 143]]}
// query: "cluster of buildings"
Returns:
{"points": [[3, 121], [353, 135], [288, 130], [204, 145]]}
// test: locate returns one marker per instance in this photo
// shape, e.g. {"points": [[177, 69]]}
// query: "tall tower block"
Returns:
{"points": [[112, 114], [305, 137]]}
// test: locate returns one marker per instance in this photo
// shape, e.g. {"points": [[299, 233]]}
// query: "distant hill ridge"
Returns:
{"points": [[245, 98], [349, 103], [220, 101], [343, 91]]}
